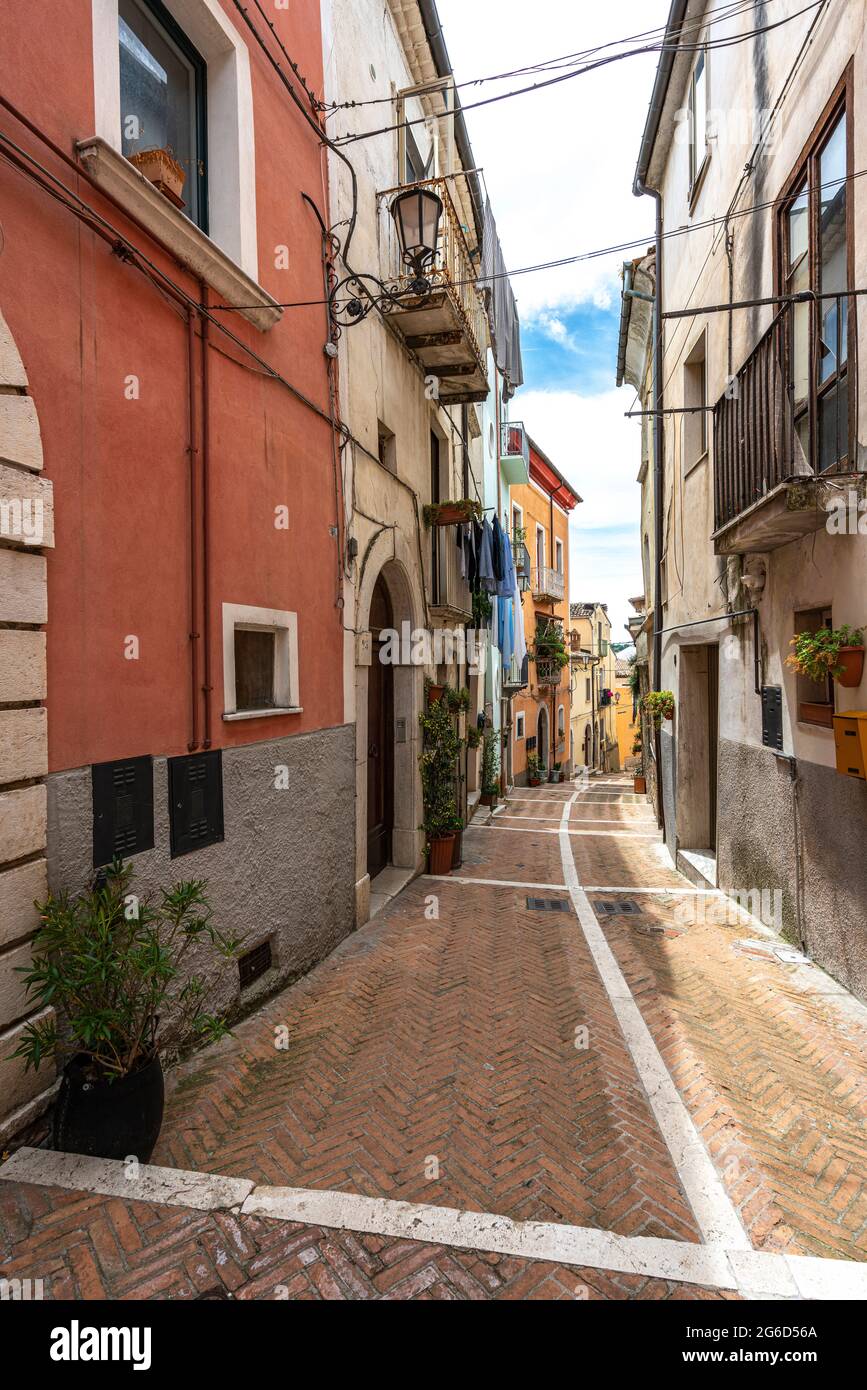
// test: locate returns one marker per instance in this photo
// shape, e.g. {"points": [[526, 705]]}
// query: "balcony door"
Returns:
{"points": [[816, 258]]}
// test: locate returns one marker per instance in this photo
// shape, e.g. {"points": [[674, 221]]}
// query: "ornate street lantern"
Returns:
{"points": [[417, 214]]}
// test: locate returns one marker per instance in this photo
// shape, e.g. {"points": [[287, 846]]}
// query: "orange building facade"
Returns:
{"points": [[540, 527]]}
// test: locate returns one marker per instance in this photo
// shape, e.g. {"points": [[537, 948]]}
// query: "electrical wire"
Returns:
{"points": [[724, 13], [712, 45]]}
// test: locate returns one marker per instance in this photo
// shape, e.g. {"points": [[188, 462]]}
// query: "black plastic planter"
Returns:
{"points": [[104, 1119]]}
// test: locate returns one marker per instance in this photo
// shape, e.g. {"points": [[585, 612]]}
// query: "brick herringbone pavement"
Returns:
{"points": [[435, 1061], [95, 1248], [433, 1058]]}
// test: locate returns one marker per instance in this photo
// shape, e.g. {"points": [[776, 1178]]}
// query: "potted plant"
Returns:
{"points": [[549, 653], [605, 697], [837, 652], [161, 169], [533, 778], [458, 700], [659, 705], [434, 693], [490, 771], [474, 736], [555, 773], [438, 761], [451, 513], [110, 964], [458, 847]]}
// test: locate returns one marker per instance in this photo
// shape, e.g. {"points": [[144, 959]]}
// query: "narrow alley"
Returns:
{"points": [[565, 1031]]}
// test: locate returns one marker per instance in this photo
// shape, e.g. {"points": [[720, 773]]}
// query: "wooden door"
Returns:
{"points": [[380, 739]]}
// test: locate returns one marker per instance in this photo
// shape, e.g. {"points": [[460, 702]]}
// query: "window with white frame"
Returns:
{"points": [[561, 721], [698, 150], [181, 70], [519, 724], [540, 546], [558, 556], [260, 662]]}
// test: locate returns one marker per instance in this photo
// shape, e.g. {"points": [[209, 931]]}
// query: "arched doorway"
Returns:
{"points": [[380, 737], [542, 737]]}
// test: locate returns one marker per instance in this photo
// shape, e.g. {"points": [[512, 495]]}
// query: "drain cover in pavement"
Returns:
{"points": [[547, 905], [614, 909]]}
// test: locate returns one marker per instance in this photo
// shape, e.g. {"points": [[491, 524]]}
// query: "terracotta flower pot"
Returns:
{"points": [[435, 694], [534, 781], [164, 172], [639, 784], [852, 661], [441, 854], [452, 514]]}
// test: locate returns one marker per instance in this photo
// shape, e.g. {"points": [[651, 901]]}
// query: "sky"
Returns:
{"points": [[558, 166]]}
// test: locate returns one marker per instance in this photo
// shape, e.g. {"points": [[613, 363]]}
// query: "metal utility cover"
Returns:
{"points": [[614, 909], [548, 905]]}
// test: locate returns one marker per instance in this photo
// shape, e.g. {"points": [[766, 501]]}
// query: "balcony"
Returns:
{"points": [[786, 428], [514, 453], [547, 584], [447, 330], [514, 679]]}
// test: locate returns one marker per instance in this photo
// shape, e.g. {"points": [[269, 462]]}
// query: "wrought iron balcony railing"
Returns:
{"points": [[449, 329], [547, 583], [790, 413]]}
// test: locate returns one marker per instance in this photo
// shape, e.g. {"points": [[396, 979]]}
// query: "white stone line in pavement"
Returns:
{"points": [[544, 830], [136, 1182], [609, 888], [493, 882], [717, 1218], [754, 1273]]}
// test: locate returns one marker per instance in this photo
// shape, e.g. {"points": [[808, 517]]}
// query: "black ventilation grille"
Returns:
{"points": [[772, 716], [254, 963], [615, 909], [123, 809], [548, 905]]}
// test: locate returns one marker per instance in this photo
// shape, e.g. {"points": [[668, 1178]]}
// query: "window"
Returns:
{"points": [[695, 399], [162, 99], [517, 522], [387, 447], [519, 724], [123, 809], [558, 556], [587, 685], [540, 547], [815, 698], [260, 662], [815, 256], [195, 802], [561, 721], [697, 122]]}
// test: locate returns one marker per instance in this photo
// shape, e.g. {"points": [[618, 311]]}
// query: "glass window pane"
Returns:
{"points": [[699, 115], [834, 425], [157, 96], [833, 195]]}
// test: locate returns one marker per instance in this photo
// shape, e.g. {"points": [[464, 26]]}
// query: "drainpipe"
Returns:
{"points": [[192, 450], [206, 517]]}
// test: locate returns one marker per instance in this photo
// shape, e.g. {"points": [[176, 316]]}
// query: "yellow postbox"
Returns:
{"points": [[850, 739]]}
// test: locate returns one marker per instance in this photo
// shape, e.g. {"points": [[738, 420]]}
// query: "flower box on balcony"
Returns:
{"points": [[548, 670], [451, 513]]}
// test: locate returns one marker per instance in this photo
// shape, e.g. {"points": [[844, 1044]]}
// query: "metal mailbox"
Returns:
{"points": [[850, 740]]}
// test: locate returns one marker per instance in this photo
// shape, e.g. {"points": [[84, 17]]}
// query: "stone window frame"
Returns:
{"points": [[284, 625]]}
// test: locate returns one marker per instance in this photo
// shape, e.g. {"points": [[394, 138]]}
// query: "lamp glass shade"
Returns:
{"points": [[417, 216]]}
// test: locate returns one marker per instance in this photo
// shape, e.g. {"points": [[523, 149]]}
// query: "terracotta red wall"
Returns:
{"points": [[83, 321]]}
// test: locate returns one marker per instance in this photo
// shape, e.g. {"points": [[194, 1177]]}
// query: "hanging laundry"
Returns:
{"points": [[487, 577]]}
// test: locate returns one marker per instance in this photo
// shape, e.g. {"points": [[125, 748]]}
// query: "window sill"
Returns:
{"points": [[233, 716], [123, 182]]}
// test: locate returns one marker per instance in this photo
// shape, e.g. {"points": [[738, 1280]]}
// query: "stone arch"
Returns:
{"points": [[389, 556], [26, 531]]}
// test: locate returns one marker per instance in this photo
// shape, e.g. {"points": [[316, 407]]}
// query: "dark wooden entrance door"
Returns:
{"points": [[380, 739]]}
